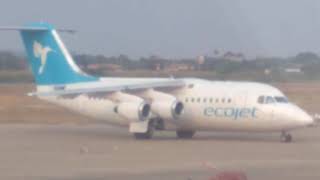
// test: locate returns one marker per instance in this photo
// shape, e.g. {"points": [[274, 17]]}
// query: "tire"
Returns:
{"points": [[142, 136], [185, 134], [286, 138]]}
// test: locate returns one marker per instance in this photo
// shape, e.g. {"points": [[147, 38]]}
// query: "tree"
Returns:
{"points": [[307, 58]]}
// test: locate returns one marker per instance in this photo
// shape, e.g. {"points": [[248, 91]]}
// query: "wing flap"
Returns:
{"points": [[91, 91]]}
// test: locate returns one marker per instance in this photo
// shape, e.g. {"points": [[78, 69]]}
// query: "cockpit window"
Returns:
{"points": [[266, 100], [280, 99], [269, 100]]}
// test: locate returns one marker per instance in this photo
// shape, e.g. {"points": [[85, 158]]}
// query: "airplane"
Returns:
{"points": [[144, 105]]}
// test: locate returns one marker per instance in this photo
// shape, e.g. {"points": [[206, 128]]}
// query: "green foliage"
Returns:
{"points": [[10, 61], [155, 66], [15, 76], [307, 58]]}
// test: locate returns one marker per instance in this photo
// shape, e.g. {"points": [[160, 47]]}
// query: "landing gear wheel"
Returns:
{"points": [[146, 135], [286, 137], [185, 134]]}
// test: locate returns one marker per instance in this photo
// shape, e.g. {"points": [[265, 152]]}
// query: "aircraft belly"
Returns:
{"points": [[95, 108]]}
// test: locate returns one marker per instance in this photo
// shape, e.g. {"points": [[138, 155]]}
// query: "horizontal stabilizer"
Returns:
{"points": [[36, 29]]}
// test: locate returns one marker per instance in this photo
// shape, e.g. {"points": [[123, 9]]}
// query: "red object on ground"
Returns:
{"points": [[229, 175]]}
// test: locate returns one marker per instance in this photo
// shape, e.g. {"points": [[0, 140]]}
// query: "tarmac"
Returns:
{"points": [[100, 152]]}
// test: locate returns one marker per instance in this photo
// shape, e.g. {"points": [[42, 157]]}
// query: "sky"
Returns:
{"points": [[172, 28]]}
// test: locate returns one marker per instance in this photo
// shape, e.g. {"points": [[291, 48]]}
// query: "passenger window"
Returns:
{"points": [[211, 100], [229, 100], [199, 100], [187, 100], [223, 100], [217, 100], [261, 99], [190, 86], [204, 100], [192, 99]]}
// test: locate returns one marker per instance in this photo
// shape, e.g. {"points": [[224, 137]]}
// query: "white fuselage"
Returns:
{"points": [[208, 105]]}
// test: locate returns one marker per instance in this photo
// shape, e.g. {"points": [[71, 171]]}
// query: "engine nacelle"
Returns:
{"points": [[133, 111], [130, 107], [164, 105], [169, 109]]}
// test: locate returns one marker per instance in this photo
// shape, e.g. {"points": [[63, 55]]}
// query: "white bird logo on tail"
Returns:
{"points": [[41, 52]]}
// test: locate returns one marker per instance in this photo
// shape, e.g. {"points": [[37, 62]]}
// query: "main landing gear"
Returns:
{"points": [[183, 134], [148, 134], [285, 137]]}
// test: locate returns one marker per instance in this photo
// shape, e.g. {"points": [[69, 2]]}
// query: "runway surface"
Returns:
{"points": [[100, 152]]}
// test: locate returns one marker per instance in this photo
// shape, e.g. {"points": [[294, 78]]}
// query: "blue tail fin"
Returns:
{"points": [[50, 61]]}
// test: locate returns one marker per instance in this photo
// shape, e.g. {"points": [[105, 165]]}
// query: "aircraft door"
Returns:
{"points": [[266, 106], [241, 100]]}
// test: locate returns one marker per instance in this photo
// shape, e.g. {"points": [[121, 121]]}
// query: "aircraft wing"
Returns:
{"points": [[62, 90]]}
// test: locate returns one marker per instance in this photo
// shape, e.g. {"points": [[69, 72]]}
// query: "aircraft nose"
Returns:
{"points": [[304, 119]]}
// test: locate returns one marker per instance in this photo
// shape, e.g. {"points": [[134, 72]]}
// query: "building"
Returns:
{"points": [[293, 70], [237, 57], [105, 67], [179, 67]]}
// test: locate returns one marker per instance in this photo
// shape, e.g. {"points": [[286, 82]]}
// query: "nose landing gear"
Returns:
{"points": [[285, 137]]}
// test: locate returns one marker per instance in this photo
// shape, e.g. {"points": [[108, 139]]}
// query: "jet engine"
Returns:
{"points": [[164, 105], [169, 109], [131, 107], [133, 111]]}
